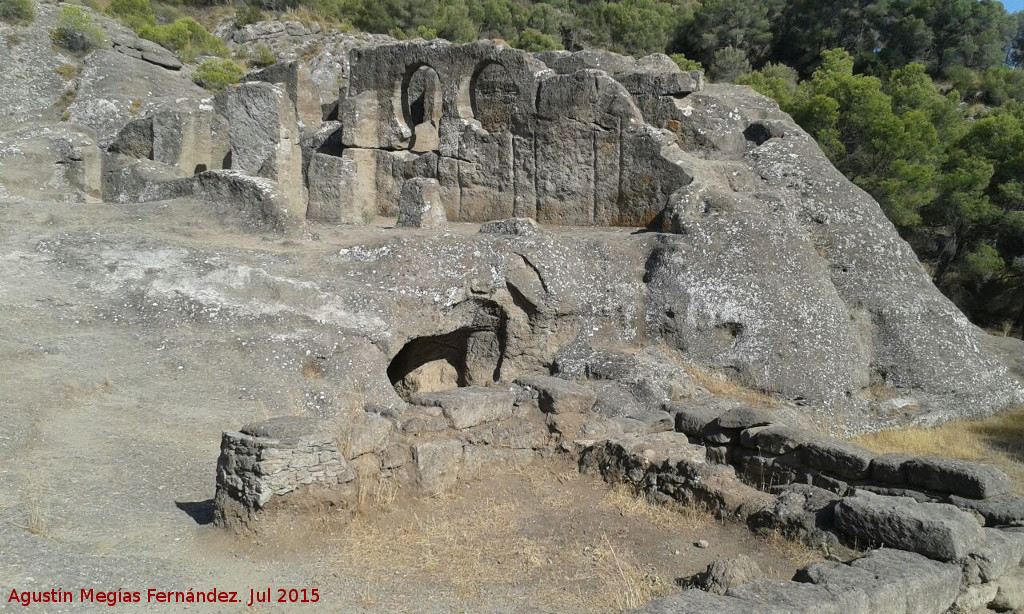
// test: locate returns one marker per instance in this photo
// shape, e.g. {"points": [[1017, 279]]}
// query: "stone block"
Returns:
{"points": [[841, 459], [437, 465], [420, 205], [961, 478], [936, 530], [774, 438], [468, 407], [559, 396]]}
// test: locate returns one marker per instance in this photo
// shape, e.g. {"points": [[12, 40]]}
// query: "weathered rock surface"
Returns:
{"points": [[722, 575], [936, 530], [468, 407], [420, 205], [962, 478]]}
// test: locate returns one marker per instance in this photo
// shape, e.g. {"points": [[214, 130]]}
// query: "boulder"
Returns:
{"points": [[961, 478], [839, 458], [890, 468], [471, 406], [936, 530], [1010, 592], [420, 205], [297, 83], [368, 433], [694, 420], [699, 602], [801, 512], [794, 597], [516, 226], [774, 438], [889, 582], [997, 510], [745, 417], [559, 396], [725, 574], [437, 465], [264, 135], [998, 553]]}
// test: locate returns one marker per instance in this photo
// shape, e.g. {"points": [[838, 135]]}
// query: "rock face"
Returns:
{"points": [[761, 260], [420, 205]]}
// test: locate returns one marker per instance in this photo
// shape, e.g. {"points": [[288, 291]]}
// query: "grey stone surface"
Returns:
{"points": [[838, 458], [264, 134], [745, 417], [997, 554], [800, 512], [367, 433], [437, 465], [774, 438], [694, 420], [890, 468], [889, 581], [1010, 592], [1007, 509], [698, 602], [299, 86], [962, 478], [468, 407], [420, 205], [725, 574], [792, 596], [936, 530], [516, 226], [559, 396]]}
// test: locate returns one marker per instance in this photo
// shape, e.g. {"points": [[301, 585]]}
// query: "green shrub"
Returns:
{"points": [[135, 14], [17, 11], [76, 31], [217, 74], [261, 56], [535, 40], [686, 63], [187, 37], [248, 14]]}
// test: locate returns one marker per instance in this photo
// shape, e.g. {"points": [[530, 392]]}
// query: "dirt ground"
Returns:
{"points": [[110, 421]]}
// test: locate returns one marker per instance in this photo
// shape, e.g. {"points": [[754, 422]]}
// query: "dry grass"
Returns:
{"points": [[998, 441], [542, 534], [720, 386], [472, 548], [632, 585], [673, 518], [313, 368]]}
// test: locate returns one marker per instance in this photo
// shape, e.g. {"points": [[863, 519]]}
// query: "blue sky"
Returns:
{"points": [[1014, 5]]}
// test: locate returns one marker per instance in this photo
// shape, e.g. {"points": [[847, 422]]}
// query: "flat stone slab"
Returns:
{"points": [[963, 478], [559, 396], [699, 602], [515, 226], [936, 530], [468, 407], [888, 581], [998, 510], [795, 597], [693, 420], [845, 460], [774, 438], [660, 447], [745, 417]]}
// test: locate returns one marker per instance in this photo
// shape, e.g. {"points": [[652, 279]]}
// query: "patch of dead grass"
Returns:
{"points": [[998, 441], [673, 518], [721, 386]]}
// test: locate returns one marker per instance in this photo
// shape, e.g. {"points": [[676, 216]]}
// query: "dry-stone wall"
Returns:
{"points": [[955, 527]]}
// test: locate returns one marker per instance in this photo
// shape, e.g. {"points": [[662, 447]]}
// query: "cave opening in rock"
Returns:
{"points": [[467, 356]]}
